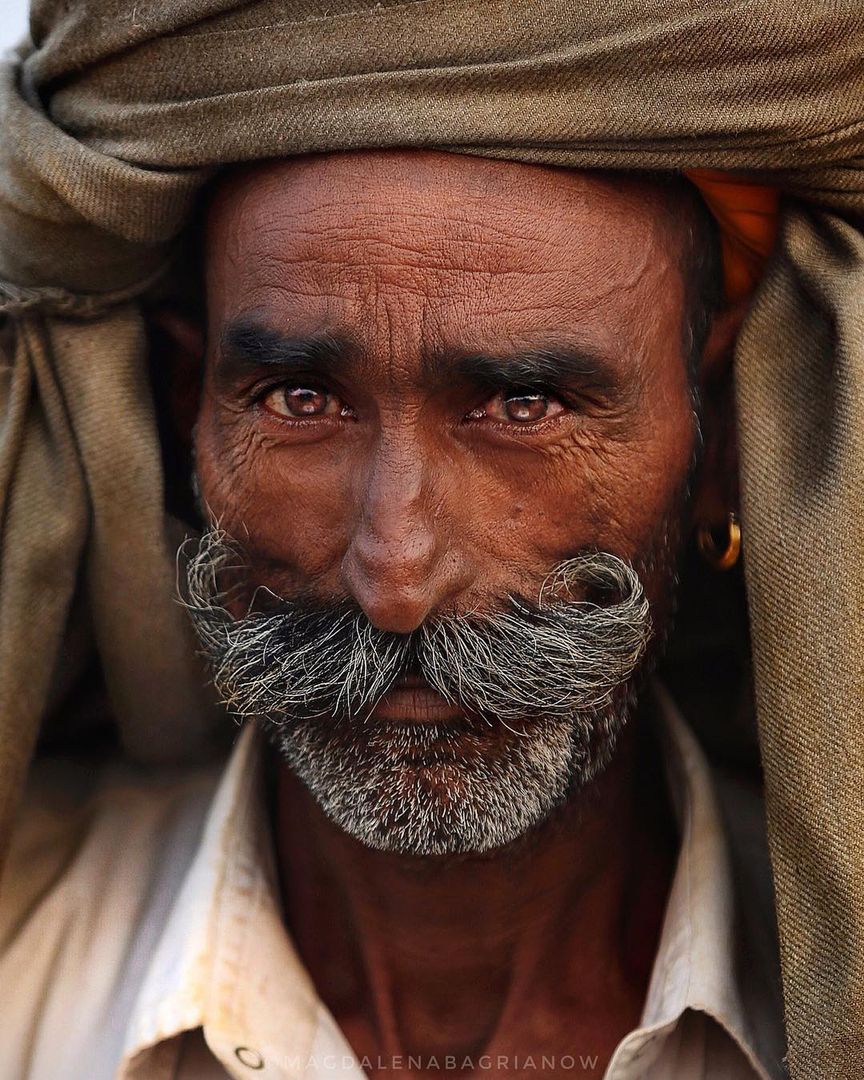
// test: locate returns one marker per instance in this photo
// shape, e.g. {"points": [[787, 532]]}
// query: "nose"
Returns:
{"points": [[403, 560]]}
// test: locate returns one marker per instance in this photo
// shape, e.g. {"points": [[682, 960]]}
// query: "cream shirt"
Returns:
{"points": [[141, 938]]}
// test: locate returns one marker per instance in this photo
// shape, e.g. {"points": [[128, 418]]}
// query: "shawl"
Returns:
{"points": [[115, 113]]}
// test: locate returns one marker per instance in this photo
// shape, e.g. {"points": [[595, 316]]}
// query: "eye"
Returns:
{"points": [[521, 405], [303, 402]]}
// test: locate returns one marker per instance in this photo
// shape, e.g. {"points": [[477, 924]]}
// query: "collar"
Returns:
{"points": [[695, 966], [225, 951]]}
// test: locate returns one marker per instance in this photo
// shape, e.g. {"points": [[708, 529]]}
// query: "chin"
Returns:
{"points": [[465, 789]]}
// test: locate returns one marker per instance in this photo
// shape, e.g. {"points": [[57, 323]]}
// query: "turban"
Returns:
{"points": [[115, 113]]}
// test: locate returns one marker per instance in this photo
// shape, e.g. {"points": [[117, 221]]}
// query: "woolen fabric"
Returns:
{"points": [[117, 112]]}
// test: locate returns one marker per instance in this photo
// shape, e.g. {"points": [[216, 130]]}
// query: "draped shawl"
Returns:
{"points": [[117, 111]]}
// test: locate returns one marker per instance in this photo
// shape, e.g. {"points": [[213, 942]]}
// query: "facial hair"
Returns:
{"points": [[544, 686]]}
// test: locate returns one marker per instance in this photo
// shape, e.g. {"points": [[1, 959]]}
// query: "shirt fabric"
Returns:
{"points": [[141, 936]]}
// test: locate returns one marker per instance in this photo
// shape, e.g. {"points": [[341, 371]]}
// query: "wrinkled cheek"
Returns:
{"points": [[224, 468], [628, 499], [598, 500], [287, 515]]}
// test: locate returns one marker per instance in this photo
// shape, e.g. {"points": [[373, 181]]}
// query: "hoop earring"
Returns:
{"points": [[716, 558]]}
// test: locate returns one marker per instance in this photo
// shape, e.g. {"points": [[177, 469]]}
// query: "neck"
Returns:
{"points": [[473, 955]]}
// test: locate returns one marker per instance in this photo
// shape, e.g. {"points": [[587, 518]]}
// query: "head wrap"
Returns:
{"points": [[117, 112]]}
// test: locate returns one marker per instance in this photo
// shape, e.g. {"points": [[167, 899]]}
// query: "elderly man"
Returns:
{"points": [[442, 426], [448, 428]]}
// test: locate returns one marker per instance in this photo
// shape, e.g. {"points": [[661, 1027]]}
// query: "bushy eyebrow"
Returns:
{"points": [[248, 346], [556, 367]]}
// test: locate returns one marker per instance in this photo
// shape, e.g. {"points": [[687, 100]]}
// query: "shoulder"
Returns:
{"points": [[79, 821], [97, 856]]}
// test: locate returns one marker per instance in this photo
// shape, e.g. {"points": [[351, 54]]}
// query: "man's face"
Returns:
{"points": [[430, 380]]}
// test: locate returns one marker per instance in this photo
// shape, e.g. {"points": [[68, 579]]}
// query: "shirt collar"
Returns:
{"points": [[225, 951], [696, 956], [224, 930]]}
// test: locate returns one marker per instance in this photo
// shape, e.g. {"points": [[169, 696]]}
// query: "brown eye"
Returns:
{"points": [[519, 407], [300, 402], [525, 408]]}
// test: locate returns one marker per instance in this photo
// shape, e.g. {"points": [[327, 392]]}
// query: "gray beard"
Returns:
{"points": [[445, 789], [546, 691]]}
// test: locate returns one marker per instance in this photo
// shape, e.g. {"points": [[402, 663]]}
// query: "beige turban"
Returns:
{"points": [[119, 110]]}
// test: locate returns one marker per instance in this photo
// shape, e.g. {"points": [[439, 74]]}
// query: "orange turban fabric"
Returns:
{"points": [[747, 214]]}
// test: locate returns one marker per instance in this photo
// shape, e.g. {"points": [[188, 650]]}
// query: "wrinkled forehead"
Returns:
{"points": [[438, 224]]}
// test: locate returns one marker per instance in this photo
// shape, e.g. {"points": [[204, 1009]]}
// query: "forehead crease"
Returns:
{"points": [[432, 241], [355, 282], [415, 260], [461, 192], [574, 250], [510, 217]]}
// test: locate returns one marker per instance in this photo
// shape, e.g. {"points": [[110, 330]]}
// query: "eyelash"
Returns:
{"points": [[259, 394]]}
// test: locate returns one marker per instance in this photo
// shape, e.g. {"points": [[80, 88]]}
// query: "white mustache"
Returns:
{"points": [[559, 657]]}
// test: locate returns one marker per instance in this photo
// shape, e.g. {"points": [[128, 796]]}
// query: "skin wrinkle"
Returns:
{"points": [[410, 512], [317, 228], [449, 274]]}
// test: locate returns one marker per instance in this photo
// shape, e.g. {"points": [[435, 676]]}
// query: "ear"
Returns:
{"points": [[179, 343], [716, 491]]}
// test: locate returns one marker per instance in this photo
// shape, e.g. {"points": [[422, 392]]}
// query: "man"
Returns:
{"points": [[449, 423], [447, 451]]}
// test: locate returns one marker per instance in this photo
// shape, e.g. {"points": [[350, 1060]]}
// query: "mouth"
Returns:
{"points": [[411, 700]]}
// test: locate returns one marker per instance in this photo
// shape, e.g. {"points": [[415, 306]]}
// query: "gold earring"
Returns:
{"points": [[716, 558]]}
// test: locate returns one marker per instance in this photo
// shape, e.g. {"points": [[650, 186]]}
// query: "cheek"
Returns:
{"points": [[529, 511], [288, 507]]}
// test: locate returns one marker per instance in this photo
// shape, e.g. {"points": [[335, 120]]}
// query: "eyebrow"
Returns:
{"points": [[556, 367], [248, 346]]}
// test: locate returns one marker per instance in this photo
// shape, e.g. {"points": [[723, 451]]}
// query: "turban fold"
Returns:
{"points": [[116, 113]]}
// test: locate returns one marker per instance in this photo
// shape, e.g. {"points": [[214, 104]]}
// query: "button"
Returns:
{"points": [[249, 1057]]}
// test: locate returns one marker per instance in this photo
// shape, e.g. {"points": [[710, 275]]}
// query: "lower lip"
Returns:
{"points": [[415, 705]]}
